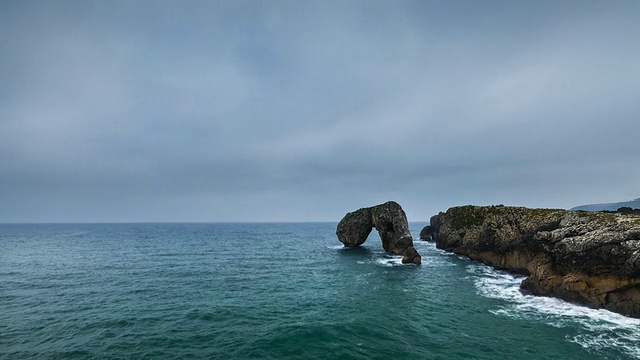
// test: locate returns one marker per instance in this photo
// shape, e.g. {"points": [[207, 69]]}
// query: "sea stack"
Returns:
{"points": [[391, 223], [591, 258]]}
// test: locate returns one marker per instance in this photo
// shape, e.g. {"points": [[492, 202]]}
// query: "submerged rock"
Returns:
{"points": [[587, 258], [391, 223]]}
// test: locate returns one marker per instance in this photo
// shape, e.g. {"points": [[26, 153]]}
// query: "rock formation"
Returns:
{"points": [[587, 258], [411, 256], [425, 233], [391, 223]]}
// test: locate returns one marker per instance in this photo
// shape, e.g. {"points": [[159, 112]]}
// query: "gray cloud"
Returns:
{"points": [[261, 111]]}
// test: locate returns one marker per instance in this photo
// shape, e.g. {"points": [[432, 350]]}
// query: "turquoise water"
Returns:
{"points": [[273, 291]]}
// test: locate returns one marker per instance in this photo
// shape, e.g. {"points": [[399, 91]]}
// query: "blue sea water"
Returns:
{"points": [[273, 291]]}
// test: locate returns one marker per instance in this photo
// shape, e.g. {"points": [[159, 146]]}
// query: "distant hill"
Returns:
{"points": [[634, 204]]}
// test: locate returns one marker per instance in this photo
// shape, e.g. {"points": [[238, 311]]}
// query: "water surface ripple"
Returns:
{"points": [[273, 291]]}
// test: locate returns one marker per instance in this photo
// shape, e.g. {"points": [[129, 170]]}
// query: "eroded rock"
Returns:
{"points": [[391, 223], [425, 233], [411, 256], [587, 258]]}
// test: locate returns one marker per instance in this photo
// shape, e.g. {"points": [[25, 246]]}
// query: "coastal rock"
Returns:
{"points": [[411, 256], [425, 233], [583, 257], [391, 223]]}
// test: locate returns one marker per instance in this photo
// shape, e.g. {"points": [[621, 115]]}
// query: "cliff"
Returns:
{"points": [[583, 257]]}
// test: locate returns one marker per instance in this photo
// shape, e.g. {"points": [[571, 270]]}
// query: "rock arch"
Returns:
{"points": [[391, 223]]}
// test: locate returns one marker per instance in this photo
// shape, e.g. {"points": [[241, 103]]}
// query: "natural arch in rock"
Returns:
{"points": [[391, 223]]}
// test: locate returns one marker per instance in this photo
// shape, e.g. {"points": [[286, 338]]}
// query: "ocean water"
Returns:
{"points": [[273, 291]]}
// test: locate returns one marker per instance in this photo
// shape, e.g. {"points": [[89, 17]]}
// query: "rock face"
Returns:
{"points": [[583, 257], [391, 223], [425, 233], [411, 256]]}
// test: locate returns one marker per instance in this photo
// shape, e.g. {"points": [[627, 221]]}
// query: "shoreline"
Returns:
{"points": [[590, 259]]}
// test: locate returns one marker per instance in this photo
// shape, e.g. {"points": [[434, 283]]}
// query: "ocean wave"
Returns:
{"points": [[75, 234], [389, 261], [434, 257], [600, 329]]}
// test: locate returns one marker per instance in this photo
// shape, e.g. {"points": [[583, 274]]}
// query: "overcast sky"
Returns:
{"points": [[304, 110]]}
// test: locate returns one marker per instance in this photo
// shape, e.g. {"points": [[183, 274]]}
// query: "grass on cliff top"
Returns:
{"points": [[370, 209], [467, 216], [472, 216]]}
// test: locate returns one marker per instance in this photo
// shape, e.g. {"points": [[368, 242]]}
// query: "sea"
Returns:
{"points": [[273, 291]]}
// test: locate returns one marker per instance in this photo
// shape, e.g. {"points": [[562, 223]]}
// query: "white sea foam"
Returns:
{"points": [[432, 247], [389, 261], [336, 247], [427, 249], [601, 329]]}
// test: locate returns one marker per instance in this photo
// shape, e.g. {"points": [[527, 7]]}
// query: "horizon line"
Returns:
{"points": [[175, 222]]}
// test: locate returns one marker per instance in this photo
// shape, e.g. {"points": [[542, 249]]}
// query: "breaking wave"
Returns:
{"points": [[600, 330]]}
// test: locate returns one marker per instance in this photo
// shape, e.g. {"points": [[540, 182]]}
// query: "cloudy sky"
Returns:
{"points": [[303, 110]]}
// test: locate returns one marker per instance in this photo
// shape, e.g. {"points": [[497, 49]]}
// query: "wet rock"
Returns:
{"points": [[388, 219], [411, 256], [587, 258], [425, 233]]}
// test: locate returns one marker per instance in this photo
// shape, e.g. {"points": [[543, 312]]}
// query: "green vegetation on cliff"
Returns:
{"points": [[591, 258]]}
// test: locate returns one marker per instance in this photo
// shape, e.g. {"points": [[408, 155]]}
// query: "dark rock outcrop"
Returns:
{"points": [[425, 233], [391, 223], [411, 256], [587, 258]]}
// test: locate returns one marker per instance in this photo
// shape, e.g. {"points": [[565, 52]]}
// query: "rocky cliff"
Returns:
{"points": [[583, 257], [391, 223]]}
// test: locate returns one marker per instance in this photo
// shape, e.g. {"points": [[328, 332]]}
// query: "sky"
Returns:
{"points": [[206, 111]]}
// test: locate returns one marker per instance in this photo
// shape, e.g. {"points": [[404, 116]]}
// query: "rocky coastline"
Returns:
{"points": [[589, 258]]}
